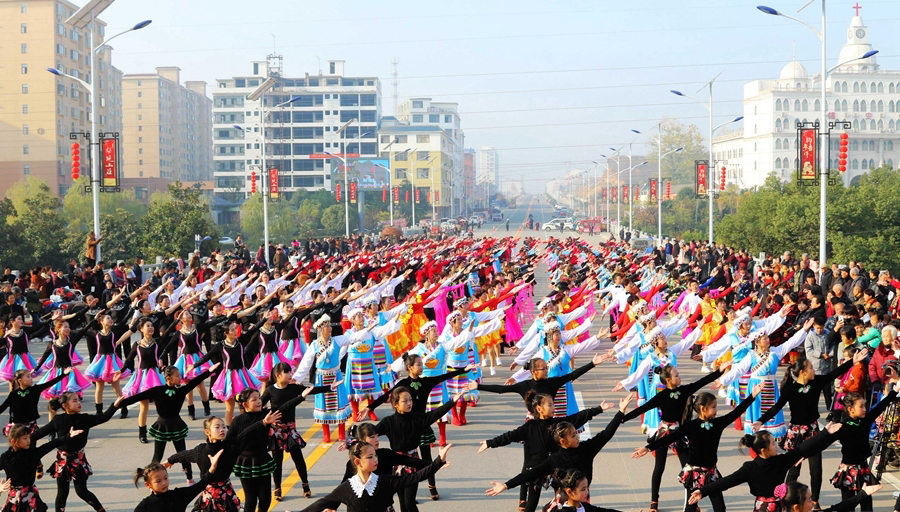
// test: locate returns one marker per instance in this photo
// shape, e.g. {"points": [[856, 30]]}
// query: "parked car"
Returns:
{"points": [[226, 240], [554, 224]]}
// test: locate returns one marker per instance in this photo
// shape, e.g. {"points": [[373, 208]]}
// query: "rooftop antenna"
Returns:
{"points": [[320, 64], [274, 48], [394, 81]]}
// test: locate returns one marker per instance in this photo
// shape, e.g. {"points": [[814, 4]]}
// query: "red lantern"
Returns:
{"points": [[338, 193], [845, 142], [76, 160], [723, 178], [668, 190], [384, 195], [252, 182]]}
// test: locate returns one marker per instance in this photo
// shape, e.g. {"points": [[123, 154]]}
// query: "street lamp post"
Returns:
{"points": [[608, 225], [619, 202], [658, 190], [81, 19], [823, 149], [343, 160]]}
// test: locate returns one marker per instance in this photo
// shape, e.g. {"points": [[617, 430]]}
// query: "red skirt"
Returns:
{"points": [[24, 499], [71, 466], [694, 477]]}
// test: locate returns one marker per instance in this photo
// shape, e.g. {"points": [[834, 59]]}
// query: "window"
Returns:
{"points": [[400, 139], [778, 105], [880, 125], [25, 150], [434, 118], [837, 106], [448, 119], [871, 124], [778, 163], [25, 109], [865, 163], [417, 118], [24, 129], [786, 105], [856, 105], [891, 87], [385, 139], [872, 87], [778, 124], [401, 157], [777, 145], [24, 88], [796, 105], [890, 145], [418, 104], [24, 48], [26, 169], [23, 28], [349, 100], [880, 87], [367, 116], [855, 86], [367, 100], [855, 145], [891, 106], [24, 69], [865, 145], [423, 139], [347, 115], [844, 87], [331, 67], [400, 174], [805, 106], [862, 87], [423, 155]]}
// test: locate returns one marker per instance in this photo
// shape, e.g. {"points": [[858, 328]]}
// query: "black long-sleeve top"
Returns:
{"points": [[539, 443], [283, 399], [233, 447], [168, 400], [380, 499], [173, 499], [257, 441], [704, 436], [387, 459], [23, 403], [20, 465], [17, 344], [804, 399], [231, 356], [62, 354], [587, 507], [263, 342], [854, 435], [148, 356], [546, 386], [183, 343], [404, 431], [671, 402], [580, 458], [105, 343], [62, 423], [765, 474], [420, 389]]}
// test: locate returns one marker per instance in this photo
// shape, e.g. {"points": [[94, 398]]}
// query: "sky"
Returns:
{"points": [[551, 85]]}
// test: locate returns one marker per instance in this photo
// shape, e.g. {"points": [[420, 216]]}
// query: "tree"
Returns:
{"points": [[308, 215], [282, 221], [333, 220], [122, 236], [78, 206], [173, 219], [11, 243], [679, 166], [41, 227]]}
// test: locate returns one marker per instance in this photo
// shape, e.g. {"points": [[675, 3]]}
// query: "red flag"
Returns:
{"points": [[337, 196]]}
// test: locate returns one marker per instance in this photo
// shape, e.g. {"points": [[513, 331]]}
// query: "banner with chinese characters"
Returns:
{"points": [[352, 191], [808, 160], [418, 195], [701, 175], [624, 193], [337, 193], [384, 195], [603, 194], [407, 196], [396, 194], [110, 162], [437, 197], [615, 194], [273, 183], [654, 192], [637, 194], [428, 196]]}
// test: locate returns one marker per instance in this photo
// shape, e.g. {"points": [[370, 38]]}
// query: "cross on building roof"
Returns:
{"points": [[857, 7]]}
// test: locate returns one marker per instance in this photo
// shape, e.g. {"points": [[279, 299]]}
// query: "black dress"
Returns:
{"points": [[71, 463], [168, 401], [23, 404], [20, 467]]}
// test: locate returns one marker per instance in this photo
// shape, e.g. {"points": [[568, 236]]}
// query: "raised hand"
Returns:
{"points": [[607, 405], [623, 403], [833, 427], [757, 389], [496, 488], [442, 453], [214, 460], [483, 446], [871, 489], [272, 417], [598, 358], [361, 415], [215, 367], [640, 452]]}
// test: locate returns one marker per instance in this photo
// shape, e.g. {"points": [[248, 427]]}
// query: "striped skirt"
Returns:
{"points": [[460, 384], [766, 399], [364, 381], [331, 408]]}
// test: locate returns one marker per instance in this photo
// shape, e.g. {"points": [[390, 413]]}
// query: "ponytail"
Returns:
{"points": [[697, 401], [755, 442], [146, 471], [793, 371], [533, 399]]}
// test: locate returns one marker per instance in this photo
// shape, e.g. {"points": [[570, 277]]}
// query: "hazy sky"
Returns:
{"points": [[552, 85]]}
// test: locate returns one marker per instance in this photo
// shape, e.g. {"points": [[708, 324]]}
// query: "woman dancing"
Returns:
{"points": [[105, 363], [146, 376]]}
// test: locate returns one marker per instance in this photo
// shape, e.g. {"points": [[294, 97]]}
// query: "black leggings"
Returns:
{"points": [[299, 461], [408, 498], [815, 474], [716, 499], [257, 493], [62, 494], [659, 467], [865, 505], [425, 453], [159, 447]]}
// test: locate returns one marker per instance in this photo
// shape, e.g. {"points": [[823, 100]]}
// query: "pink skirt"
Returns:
{"points": [[231, 382], [185, 360], [142, 380], [9, 365], [74, 382], [262, 366], [293, 351], [104, 367]]}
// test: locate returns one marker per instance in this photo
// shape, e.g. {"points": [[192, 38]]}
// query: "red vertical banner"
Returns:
{"points": [[624, 193], [668, 189], [637, 194], [352, 192], [428, 196], [603, 193], [654, 192], [273, 183], [396, 194], [808, 160], [337, 193], [615, 194], [384, 195], [437, 197], [701, 176], [407, 196], [418, 195], [109, 162]]}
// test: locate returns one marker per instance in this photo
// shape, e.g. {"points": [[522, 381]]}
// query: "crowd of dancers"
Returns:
{"points": [[418, 324]]}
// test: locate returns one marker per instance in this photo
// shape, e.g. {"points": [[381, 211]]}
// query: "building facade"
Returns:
{"points": [[167, 130], [302, 116], [488, 167], [40, 109], [857, 91], [425, 146]]}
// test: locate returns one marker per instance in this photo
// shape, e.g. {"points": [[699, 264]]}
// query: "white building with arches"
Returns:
{"points": [[859, 92]]}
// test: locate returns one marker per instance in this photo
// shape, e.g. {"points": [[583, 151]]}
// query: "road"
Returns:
{"points": [[619, 482]]}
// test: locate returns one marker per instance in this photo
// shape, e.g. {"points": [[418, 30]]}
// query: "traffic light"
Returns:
{"points": [[76, 160], [252, 182], [722, 186], [842, 162]]}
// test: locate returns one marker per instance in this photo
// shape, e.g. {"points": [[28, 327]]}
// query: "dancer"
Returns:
{"points": [[22, 401], [234, 376], [703, 434], [284, 437], [219, 495], [367, 491], [71, 463], [854, 471], [576, 488], [572, 453], [161, 499], [265, 340], [768, 470], [387, 459], [538, 443], [801, 389], [146, 376], [64, 355], [762, 364], [105, 362], [21, 463], [168, 400], [291, 345], [670, 403], [363, 380], [331, 408], [17, 337], [796, 497], [187, 342]]}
